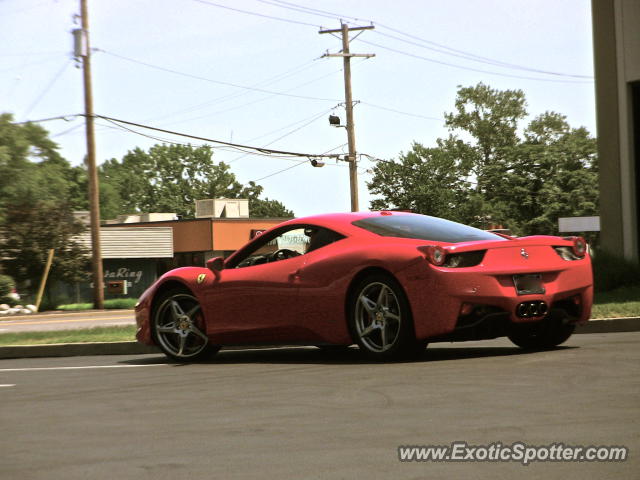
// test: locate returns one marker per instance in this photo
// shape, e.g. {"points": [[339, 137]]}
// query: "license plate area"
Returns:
{"points": [[528, 284]]}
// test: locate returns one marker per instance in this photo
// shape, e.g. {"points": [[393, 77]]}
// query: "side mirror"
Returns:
{"points": [[215, 264]]}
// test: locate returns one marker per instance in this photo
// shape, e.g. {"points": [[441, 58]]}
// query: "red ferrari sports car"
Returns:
{"points": [[388, 281]]}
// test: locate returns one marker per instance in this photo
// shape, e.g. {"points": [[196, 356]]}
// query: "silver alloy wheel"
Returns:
{"points": [[378, 318], [178, 325]]}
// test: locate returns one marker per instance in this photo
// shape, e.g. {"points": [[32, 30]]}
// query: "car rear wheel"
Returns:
{"points": [[179, 328], [380, 319], [542, 335]]}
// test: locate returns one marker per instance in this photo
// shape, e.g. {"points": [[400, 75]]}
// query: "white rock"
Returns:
{"points": [[4, 312], [31, 308], [25, 311], [4, 307]]}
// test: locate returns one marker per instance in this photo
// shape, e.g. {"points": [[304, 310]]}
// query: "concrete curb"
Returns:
{"points": [[612, 325], [76, 349]]}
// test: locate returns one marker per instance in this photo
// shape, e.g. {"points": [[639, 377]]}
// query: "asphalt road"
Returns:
{"points": [[66, 321], [301, 413]]}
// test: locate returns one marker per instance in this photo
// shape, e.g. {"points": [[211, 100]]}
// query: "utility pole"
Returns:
{"points": [[351, 135], [83, 50]]}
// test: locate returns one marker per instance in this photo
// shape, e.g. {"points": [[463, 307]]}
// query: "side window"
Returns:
{"points": [[320, 237], [288, 244], [291, 243]]}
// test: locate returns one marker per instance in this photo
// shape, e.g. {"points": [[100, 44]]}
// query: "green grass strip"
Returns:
{"points": [[621, 302], [98, 334], [112, 303]]}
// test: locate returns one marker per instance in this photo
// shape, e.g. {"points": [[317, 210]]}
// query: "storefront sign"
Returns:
{"points": [[256, 233]]}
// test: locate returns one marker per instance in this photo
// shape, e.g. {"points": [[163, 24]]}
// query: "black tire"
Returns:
{"points": [[543, 335], [178, 327], [382, 328]]}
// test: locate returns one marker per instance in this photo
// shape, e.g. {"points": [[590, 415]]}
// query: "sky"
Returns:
{"points": [[252, 72]]}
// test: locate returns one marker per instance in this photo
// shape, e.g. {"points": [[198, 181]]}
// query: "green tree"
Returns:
{"points": [[426, 180], [35, 206], [30, 230], [555, 175], [494, 175], [170, 178]]}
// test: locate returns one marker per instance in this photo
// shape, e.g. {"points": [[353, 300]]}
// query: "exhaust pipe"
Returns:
{"points": [[532, 309]]}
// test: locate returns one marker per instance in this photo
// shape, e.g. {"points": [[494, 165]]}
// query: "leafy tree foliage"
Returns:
{"points": [[39, 190], [30, 230], [35, 205], [170, 178], [486, 172]]}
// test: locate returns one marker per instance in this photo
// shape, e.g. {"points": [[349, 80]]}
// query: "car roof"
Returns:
{"points": [[342, 222]]}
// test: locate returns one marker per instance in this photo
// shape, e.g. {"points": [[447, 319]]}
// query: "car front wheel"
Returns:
{"points": [[179, 327]]}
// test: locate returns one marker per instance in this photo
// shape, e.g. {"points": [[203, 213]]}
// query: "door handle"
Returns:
{"points": [[293, 276]]}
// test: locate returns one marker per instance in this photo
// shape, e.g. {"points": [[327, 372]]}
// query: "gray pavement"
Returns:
{"points": [[94, 318], [301, 413]]}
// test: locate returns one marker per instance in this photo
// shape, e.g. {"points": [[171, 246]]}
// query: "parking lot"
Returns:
{"points": [[303, 413]]}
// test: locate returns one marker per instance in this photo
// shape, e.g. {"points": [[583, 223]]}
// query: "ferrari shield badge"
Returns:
{"points": [[201, 278]]}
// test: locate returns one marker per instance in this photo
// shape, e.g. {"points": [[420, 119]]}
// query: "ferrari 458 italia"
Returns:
{"points": [[389, 282]]}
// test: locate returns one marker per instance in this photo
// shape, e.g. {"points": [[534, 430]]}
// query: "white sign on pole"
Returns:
{"points": [[579, 224]]}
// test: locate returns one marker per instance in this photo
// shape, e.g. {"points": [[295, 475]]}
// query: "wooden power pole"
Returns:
{"points": [[351, 135], [83, 50]]}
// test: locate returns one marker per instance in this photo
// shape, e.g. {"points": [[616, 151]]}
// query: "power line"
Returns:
{"points": [[252, 102], [218, 82], [116, 126], [48, 87], [67, 130], [298, 9], [321, 12], [401, 52], [66, 118], [309, 122], [280, 171], [32, 54], [288, 20], [451, 51], [229, 144], [268, 81], [475, 58], [11, 12], [417, 115], [312, 118], [296, 165], [26, 65]]}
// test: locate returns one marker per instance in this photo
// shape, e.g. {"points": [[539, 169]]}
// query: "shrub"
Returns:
{"points": [[7, 285], [112, 303], [613, 271]]}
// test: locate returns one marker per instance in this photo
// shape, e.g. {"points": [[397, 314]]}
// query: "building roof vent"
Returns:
{"points": [[222, 208]]}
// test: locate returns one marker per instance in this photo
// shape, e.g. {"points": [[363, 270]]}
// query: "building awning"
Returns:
{"points": [[133, 242]]}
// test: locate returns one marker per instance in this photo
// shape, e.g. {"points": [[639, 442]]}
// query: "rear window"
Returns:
{"points": [[424, 227]]}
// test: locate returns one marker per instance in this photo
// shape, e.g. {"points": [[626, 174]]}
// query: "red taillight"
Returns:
{"points": [[436, 255], [579, 246]]}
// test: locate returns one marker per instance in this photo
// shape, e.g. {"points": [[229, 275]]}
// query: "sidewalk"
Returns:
{"points": [[609, 325], [58, 313]]}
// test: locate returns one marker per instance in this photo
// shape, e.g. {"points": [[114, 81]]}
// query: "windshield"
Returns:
{"points": [[424, 227]]}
